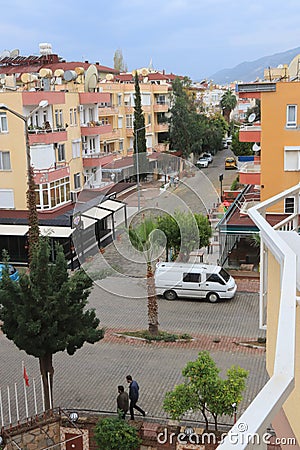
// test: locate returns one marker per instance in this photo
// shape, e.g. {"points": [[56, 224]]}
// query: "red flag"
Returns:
{"points": [[25, 376]]}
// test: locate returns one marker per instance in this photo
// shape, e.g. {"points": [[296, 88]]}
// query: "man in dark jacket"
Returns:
{"points": [[122, 402], [134, 396]]}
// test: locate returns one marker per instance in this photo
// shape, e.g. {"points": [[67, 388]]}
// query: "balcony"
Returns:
{"points": [[97, 159], [60, 170], [161, 127], [249, 173], [94, 129], [250, 133], [107, 110], [92, 98], [35, 97], [160, 107], [278, 402], [49, 136]]}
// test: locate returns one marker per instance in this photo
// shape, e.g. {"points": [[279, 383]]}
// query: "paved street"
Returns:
{"points": [[89, 379]]}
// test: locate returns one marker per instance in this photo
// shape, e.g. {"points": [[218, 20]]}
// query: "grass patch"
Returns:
{"points": [[162, 336]]}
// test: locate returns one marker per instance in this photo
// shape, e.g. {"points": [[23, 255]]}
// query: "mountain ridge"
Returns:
{"points": [[251, 70]]}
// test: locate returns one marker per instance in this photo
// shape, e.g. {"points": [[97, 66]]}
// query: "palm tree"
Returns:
{"points": [[141, 239], [228, 103]]}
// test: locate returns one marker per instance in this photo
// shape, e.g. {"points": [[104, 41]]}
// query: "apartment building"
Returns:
{"points": [[87, 123], [276, 217]]}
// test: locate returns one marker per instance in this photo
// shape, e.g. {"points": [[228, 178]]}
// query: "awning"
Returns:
{"points": [[13, 230], [59, 232], [96, 213], [112, 205], [87, 222]]}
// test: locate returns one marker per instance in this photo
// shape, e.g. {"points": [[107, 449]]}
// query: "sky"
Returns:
{"points": [[195, 38]]}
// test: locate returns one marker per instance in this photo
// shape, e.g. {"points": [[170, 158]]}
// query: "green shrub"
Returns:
{"points": [[114, 434]]}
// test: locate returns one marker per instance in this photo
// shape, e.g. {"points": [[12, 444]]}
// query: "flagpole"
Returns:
{"points": [[1, 409], [25, 392], [17, 405], [34, 395], [43, 393], [49, 388], [8, 402]]}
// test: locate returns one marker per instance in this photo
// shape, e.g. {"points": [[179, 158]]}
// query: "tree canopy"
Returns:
{"points": [[241, 148], [119, 63], [184, 232], [191, 130], [204, 390], [228, 103]]}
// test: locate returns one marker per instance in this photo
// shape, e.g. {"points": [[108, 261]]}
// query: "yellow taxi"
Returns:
{"points": [[230, 163]]}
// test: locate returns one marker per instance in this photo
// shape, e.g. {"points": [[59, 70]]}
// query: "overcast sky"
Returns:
{"points": [[187, 37]]}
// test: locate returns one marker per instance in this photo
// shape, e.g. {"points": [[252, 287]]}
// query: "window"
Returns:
{"points": [[58, 118], [289, 205], [61, 156], [119, 99], [191, 277], [121, 145], [76, 148], [120, 122], [129, 120], [5, 161], [291, 116], [213, 277], [146, 99], [77, 180], [50, 195], [161, 100], [3, 122], [7, 198], [291, 158]]}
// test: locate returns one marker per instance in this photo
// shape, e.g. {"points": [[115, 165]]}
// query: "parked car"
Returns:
{"points": [[224, 143], [173, 280], [230, 163], [13, 273], [202, 162], [207, 156]]}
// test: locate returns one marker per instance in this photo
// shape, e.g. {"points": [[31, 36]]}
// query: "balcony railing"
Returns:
{"points": [[261, 412], [56, 172]]}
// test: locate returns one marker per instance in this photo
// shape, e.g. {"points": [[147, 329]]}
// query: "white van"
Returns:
{"points": [[196, 280]]}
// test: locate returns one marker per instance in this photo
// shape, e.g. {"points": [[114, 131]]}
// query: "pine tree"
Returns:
{"points": [[139, 132], [33, 232], [45, 312]]}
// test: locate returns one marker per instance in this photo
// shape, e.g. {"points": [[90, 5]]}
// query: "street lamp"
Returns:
{"points": [[137, 163], [31, 202], [221, 185]]}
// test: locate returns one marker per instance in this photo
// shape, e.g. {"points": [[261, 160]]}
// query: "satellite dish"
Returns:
{"points": [[2, 81], [28, 77], [79, 70], [70, 75], [59, 72], [294, 67], [251, 118], [14, 53], [144, 72], [5, 54], [256, 147], [109, 76], [91, 79], [45, 73]]}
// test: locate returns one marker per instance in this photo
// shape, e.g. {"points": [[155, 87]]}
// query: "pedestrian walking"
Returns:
{"points": [[122, 402], [133, 397]]}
